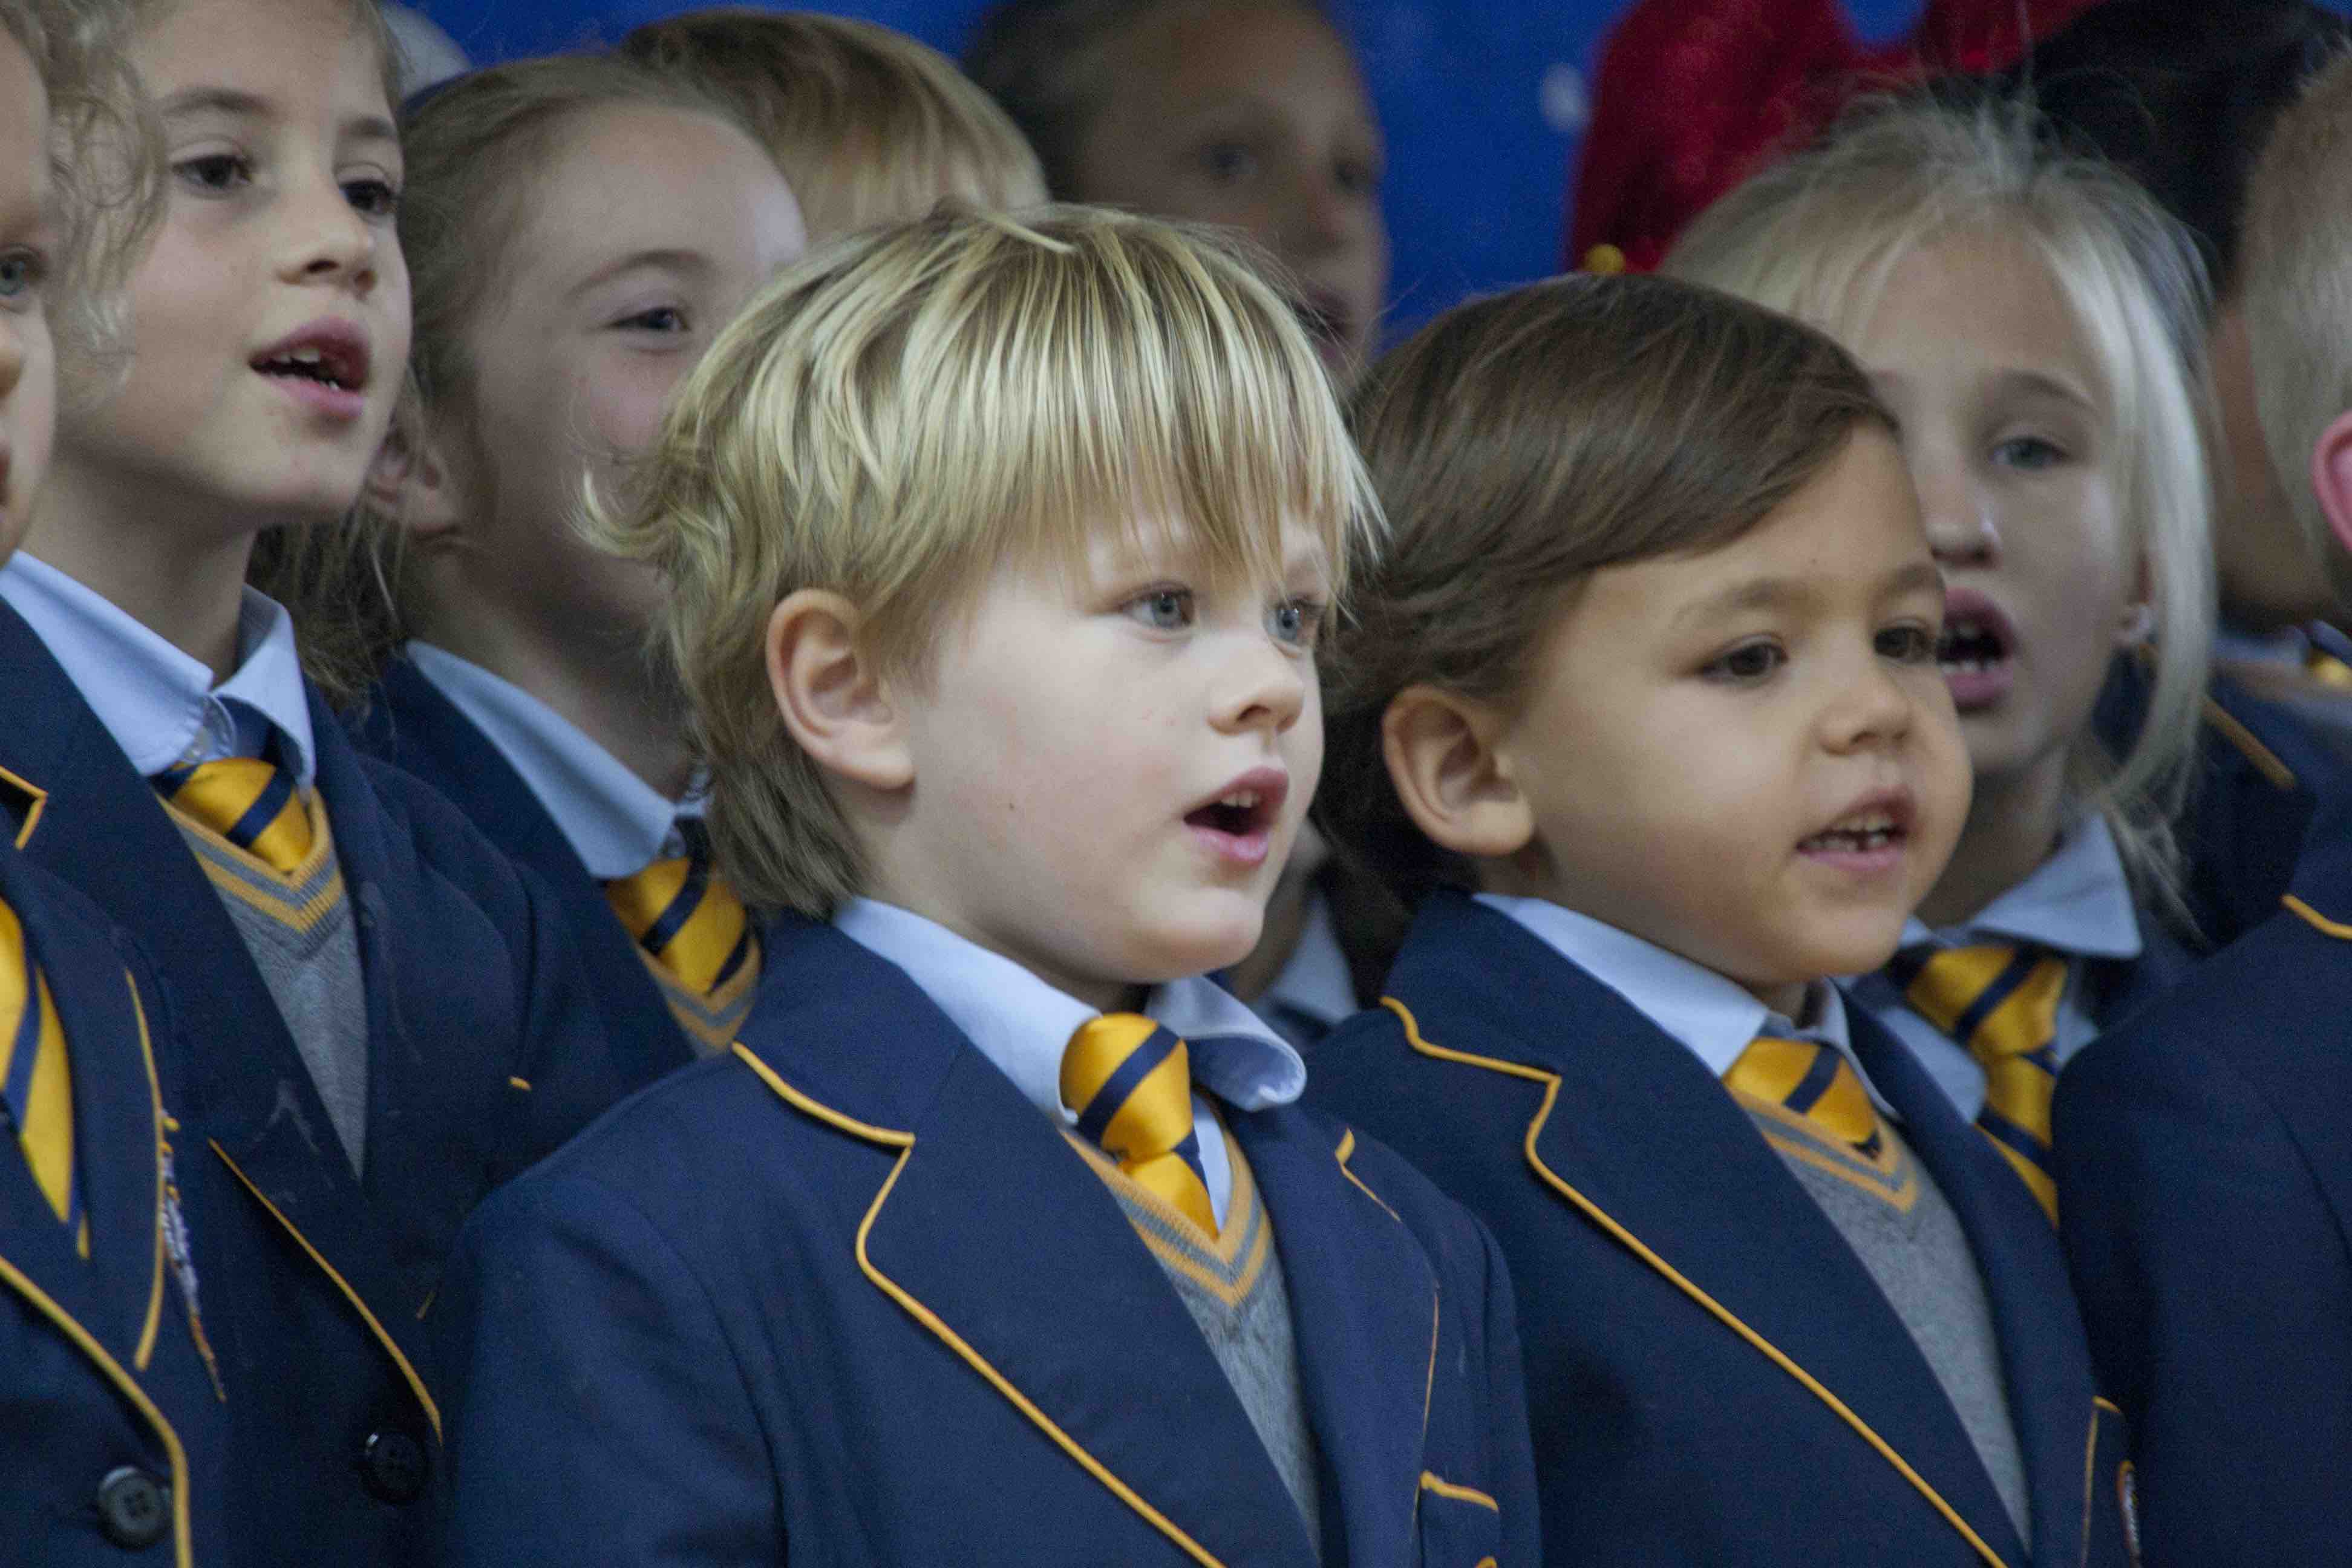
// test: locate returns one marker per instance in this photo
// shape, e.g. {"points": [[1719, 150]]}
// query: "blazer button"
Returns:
{"points": [[134, 1508], [394, 1465]]}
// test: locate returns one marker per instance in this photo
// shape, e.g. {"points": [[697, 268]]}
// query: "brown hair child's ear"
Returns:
{"points": [[831, 692], [1446, 764]]}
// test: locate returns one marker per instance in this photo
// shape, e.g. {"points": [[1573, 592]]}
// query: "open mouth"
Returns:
{"points": [[1873, 831], [328, 367], [1237, 814], [1971, 645]]}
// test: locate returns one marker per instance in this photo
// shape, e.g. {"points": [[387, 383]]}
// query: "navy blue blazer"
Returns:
{"points": [[410, 724], [2262, 774], [113, 1443], [845, 1294], [2205, 1178], [485, 1051], [1713, 1377]]}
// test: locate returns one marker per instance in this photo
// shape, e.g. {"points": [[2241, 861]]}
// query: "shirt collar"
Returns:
{"points": [[158, 703], [1716, 1017], [615, 822], [1315, 983], [1022, 1024], [2077, 901]]}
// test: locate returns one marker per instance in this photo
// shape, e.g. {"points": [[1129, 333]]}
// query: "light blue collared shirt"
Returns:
{"points": [[159, 705], [1716, 1017], [2078, 902], [615, 822], [1315, 987], [1022, 1024]]}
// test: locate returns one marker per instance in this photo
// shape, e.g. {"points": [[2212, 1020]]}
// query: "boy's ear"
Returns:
{"points": [[834, 700], [1442, 757], [2331, 477], [413, 481]]}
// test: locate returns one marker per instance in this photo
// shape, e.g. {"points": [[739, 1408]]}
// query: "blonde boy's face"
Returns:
{"points": [[29, 377], [1748, 756], [1110, 764], [270, 319]]}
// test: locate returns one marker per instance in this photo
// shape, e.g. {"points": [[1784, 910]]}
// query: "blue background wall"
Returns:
{"points": [[1481, 100]]}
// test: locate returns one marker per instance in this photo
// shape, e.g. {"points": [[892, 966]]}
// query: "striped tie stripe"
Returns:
{"points": [[250, 802], [2000, 1003], [1130, 1083], [685, 915], [36, 1078], [1812, 1081]]}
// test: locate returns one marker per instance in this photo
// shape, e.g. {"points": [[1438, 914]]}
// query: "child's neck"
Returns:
{"points": [[615, 699], [154, 559], [2014, 825]]}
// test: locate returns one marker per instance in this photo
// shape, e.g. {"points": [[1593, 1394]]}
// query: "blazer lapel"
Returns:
{"points": [[2045, 1361], [1708, 1204], [993, 1234], [116, 1292], [1364, 1307]]}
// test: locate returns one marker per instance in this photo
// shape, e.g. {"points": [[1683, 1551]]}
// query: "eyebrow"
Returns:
{"points": [[192, 102], [688, 261], [2032, 383], [1780, 593]]}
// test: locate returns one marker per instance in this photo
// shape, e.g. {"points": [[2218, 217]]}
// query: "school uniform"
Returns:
{"points": [[857, 1293], [2264, 768], [2205, 1174], [377, 1034], [2053, 961], [113, 1435], [573, 814], [1746, 1342]]}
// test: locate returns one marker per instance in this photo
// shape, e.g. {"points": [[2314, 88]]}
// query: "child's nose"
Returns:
{"points": [[328, 240], [1957, 514], [1872, 708], [1265, 687]]}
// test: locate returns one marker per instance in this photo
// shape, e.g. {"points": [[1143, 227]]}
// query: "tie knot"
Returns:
{"points": [[1130, 1083], [248, 801], [1995, 999], [1813, 1081]]}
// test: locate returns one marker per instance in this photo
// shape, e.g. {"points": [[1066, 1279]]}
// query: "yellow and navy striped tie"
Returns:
{"points": [[2000, 1003], [36, 1078], [1813, 1081], [685, 914], [1131, 1081], [251, 802]]}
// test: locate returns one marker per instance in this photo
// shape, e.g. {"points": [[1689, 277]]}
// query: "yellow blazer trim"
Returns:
{"points": [[1432, 1482], [2090, 1475], [521, 1083], [905, 1144], [1592, 1210], [182, 1544], [2318, 923], [376, 1327], [146, 1350], [2266, 761], [1436, 1307], [40, 798]]}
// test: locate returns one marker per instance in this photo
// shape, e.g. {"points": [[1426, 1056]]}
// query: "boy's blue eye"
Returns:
{"points": [[2028, 454], [214, 172], [1747, 662], [1162, 609], [1907, 645], [1297, 622], [21, 275], [372, 198]]}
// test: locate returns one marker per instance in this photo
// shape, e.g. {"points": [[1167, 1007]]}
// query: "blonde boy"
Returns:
{"points": [[2207, 1190], [999, 555], [869, 125]]}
